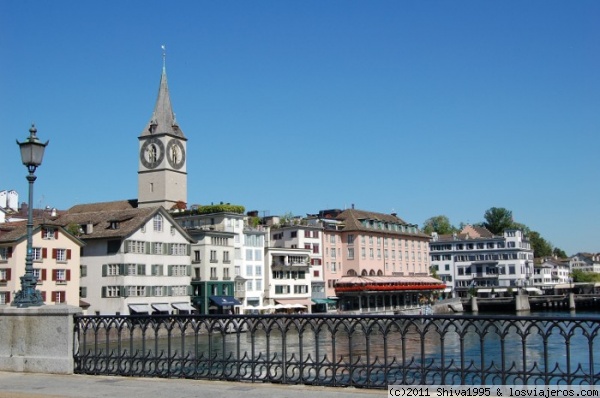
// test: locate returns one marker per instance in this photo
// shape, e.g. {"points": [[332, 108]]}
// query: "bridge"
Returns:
{"points": [[526, 302]]}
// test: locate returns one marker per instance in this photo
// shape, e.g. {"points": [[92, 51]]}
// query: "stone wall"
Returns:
{"points": [[37, 339]]}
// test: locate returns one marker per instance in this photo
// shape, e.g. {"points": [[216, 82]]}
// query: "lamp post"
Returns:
{"points": [[32, 152]]}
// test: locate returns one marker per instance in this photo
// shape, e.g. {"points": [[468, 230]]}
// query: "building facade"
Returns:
{"points": [[135, 260], [477, 259], [55, 262]]}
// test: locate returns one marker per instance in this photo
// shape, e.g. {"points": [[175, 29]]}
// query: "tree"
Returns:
{"points": [[440, 224], [541, 247], [582, 276], [497, 219], [559, 253]]}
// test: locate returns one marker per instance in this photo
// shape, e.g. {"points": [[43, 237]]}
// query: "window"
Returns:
{"points": [[213, 273], [60, 275], [178, 249], [213, 256], [249, 254], [157, 222], [5, 253], [59, 297], [5, 274], [282, 289], [226, 257], [178, 290], [249, 285], [197, 258], [49, 233], [135, 246], [178, 270], [258, 255], [157, 248], [82, 270], [258, 270], [258, 284], [36, 253], [157, 269], [301, 289], [112, 291], [4, 298], [350, 253], [82, 291], [226, 273], [136, 291], [112, 270]]}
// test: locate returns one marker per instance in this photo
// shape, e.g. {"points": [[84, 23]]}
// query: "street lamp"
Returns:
{"points": [[32, 152]]}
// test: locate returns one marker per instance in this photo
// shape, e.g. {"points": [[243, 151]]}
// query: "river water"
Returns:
{"points": [[369, 352]]}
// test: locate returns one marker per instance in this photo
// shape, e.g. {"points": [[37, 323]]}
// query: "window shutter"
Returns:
{"points": [[122, 291], [53, 274], [8, 274], [126, 246], [141, 269], [122, 269], [170, 270], [189, 270], [148, 291], [68, 275], [53, 297], [104, 266], [190, 290], [44, 276], [56, 234], [148, 248], [54, 253], [169, 290], [44, 252], [7, 297], [64, 297], [9, 252], [68, 254], [165, 248], [189, 250], [103, 291], [44, 296]]}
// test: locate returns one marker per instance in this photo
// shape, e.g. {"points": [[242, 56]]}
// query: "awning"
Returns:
{"points": [[323, 301], [162, 307], [534, 290], [183, 306], [140, 308], [448, 289], [222, 301], [306, 302], [484, 290]]}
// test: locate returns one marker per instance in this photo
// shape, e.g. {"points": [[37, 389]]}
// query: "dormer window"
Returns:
{"points": [[113, 224]]}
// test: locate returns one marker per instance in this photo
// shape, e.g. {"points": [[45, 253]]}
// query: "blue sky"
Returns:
{"points": [[416, 107]]}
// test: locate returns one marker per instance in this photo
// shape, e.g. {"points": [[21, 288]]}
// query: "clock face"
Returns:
{"points": [[175, 154], [152, 153]]}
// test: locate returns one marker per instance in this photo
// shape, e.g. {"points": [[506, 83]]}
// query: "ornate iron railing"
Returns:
{"points": [[370, 351]]}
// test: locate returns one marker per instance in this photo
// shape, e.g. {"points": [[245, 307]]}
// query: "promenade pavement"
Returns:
{"points": [[35, 385]]}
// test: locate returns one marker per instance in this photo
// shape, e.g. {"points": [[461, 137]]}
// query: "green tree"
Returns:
{"points": [[541, 247], [497, 219], [559, 253], [440, 224], [582, 276]]}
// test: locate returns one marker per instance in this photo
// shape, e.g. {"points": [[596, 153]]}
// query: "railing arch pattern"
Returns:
{"points": [[370, 351]]}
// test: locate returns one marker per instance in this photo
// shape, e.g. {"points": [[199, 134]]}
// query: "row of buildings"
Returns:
{"points": [[153, 254]]}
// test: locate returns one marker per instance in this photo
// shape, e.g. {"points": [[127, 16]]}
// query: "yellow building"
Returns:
{"points": [[56, 261]]}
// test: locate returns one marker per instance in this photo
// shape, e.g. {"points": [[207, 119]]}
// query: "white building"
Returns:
{"points": [[585, 262], [476, 258], [135, 260]]}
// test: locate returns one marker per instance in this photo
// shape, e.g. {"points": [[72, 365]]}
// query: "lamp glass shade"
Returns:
{"points": [[32, 152]]}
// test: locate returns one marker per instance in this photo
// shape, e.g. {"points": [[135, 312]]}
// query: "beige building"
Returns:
{"points": [[55, 262]]}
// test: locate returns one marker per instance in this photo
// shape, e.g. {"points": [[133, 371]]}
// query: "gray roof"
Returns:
{"points": [[102, 216], [163, 118], [352, 222]]}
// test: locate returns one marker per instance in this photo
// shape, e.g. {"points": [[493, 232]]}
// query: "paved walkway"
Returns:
{"points": [[30, 385]]}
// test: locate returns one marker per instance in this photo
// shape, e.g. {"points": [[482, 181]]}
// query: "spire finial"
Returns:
{"points": [[164, 49]]}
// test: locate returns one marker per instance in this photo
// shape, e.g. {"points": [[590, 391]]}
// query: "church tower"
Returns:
{"points": [[162, 167]]}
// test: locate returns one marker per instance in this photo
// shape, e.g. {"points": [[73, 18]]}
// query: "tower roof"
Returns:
{"points": [[163, 118]]}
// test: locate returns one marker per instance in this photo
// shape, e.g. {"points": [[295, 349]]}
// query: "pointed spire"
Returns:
{"points": [[163, 118]]}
